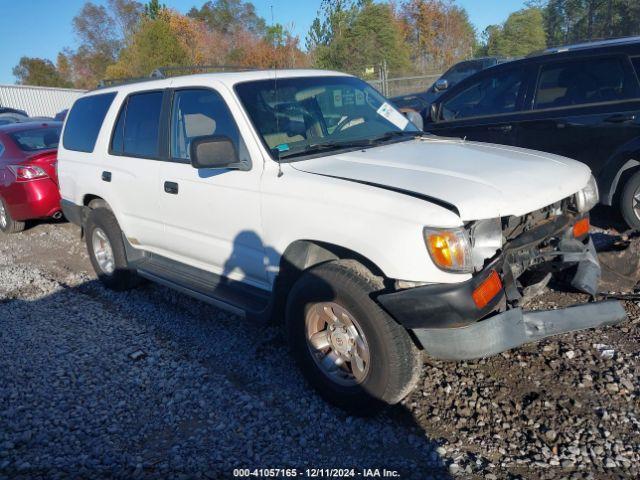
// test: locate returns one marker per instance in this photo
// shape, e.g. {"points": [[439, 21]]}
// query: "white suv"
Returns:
{"points": [[305, 195]]}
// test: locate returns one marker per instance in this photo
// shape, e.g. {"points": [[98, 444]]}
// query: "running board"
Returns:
{"points": [[221, 292]]}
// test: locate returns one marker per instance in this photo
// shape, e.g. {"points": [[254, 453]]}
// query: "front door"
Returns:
{"points": [[211, 216], [484, 108]]}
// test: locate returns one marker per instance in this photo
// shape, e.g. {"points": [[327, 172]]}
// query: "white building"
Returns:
{"points": [[38, 101]]}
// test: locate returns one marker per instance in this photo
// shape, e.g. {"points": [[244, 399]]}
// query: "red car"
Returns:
{"points": [[28, 179]]}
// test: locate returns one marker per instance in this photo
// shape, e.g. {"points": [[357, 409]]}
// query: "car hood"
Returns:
{"points": [[480, 180]]}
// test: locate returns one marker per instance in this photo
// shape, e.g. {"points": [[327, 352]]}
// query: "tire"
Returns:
{"points": [[394, 363], [101, 225], [630, 190], [8, 224]]}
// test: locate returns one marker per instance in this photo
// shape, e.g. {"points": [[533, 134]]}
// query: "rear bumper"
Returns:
{"points": [[30, 200], [72, 212], [514, 328]]}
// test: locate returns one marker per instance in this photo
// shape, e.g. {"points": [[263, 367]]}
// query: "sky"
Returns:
{"points": [[41, 28]]}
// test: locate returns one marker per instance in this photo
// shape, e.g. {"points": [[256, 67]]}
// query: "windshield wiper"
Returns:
{"points": [[360, 143]]}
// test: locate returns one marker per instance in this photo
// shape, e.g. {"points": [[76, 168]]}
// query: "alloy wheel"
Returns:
{"points": [[103, 252], [337, 344]]}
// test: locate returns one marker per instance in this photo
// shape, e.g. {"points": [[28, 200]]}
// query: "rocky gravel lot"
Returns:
{"points": [[153, 384]]}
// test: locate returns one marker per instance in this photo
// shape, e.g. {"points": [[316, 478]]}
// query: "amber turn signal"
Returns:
{"points": [[487, 290], [581, 227]]}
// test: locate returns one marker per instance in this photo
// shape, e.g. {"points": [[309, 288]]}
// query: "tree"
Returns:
{"points": [[154, 9], [154, 44], [38, 71], [355, 35], [521, 34], [229, 15], [570, 21], [439, 32]]}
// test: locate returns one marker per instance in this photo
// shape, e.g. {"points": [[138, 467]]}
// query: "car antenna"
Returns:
{"points": [[275, 88]]}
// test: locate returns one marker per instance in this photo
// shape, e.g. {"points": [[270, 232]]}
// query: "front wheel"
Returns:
{"points": [[348, 348], [630, 201]]}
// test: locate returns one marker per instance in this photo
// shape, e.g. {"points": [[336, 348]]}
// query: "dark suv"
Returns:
{"points": [[581, 101], [457, 73]]}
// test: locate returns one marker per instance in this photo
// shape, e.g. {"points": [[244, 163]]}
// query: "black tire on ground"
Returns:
{"points": [[627, 201], [122, 278], [395, 362], [11, 226]]}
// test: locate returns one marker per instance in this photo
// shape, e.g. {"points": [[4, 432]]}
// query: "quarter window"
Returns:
{"points": [[200, 113], [84, 122], [583, 82], [491, 95], [137, 129]]}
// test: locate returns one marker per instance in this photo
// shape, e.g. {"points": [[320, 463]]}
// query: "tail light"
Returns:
{"points": [[25, 173]]}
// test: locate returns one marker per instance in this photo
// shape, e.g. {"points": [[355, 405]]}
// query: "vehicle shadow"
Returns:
{"points": [[150, 383]]}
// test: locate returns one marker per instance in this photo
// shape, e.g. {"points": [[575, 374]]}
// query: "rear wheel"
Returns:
{"points": [[8, 224], [106, 251], [348, 348], [630, 201]]}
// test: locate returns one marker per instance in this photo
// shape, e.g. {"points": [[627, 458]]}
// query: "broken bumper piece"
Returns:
{"points": [[514, 328]]}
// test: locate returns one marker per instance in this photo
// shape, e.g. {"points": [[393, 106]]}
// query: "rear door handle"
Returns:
{"points": [[502, 128], [106, 176], [620, 118], [171, 188]]}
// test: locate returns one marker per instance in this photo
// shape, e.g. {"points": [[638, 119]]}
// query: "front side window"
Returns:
{"points": [[492, 95], [295, 116], [583, 82], [199, 113], [36, 139], [137, 129], [85, 120]]}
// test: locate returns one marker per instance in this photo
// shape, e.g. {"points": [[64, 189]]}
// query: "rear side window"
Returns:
{"points": [[36, 139], [84, 122], [490, 95], [137, 130], [583, 82], [636, 65]]}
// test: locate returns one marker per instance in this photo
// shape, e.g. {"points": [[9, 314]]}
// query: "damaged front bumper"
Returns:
{"points": [[449, 325], [513, 328]]}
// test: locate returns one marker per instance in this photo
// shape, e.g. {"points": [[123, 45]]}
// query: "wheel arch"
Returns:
{"points": [[628, 168], [302, 255]]}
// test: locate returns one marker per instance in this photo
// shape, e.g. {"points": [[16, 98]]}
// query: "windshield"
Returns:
{"points": [[307, 114], [36, 139]]}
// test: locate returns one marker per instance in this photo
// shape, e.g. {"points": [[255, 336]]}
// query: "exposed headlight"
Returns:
{"points": [[486, 240], [450, 248], [587, 198]]}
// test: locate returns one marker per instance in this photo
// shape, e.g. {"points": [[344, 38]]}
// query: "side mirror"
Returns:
{"points": [[441, 85], [415, 118], [215, 151]]}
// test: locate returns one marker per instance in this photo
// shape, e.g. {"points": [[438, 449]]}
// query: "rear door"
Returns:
{"points": [[131, 173], [484, 108], [583, 108]]}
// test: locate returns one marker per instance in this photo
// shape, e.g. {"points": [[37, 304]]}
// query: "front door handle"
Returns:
{"points": [[502, 128], [106, 176], [171, 188], [620, 118]]}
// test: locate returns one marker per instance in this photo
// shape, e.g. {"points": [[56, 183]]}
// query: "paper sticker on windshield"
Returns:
{"points": [[337, 98], [359, 97], [392, 115]]}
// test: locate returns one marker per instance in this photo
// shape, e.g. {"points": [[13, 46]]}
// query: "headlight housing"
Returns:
{"points": [[450, 248], [486, 240], [588, 197]]}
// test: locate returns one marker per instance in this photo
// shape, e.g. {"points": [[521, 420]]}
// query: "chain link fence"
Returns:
{"points": [[393, 87]]}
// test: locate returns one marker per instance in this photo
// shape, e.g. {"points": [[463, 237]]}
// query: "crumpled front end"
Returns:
{"points": [[484, 316]]}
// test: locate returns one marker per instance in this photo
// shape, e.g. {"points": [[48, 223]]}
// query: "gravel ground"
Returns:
{"points": [[153, 384]]}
